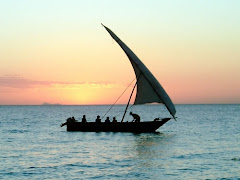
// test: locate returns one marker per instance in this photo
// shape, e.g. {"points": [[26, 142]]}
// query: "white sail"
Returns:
{"points": [[149, 89]]}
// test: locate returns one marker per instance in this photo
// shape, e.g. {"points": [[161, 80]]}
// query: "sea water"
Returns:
{"points": [[204, 143]]}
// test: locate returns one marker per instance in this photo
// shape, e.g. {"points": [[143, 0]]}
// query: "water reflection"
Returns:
{"points": [[151, 147]]}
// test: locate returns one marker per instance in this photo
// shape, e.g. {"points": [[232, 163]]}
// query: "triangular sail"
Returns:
{"points": [[149, 89]]}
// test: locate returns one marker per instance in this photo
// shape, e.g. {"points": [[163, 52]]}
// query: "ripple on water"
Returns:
{"points": [[33, 146]]}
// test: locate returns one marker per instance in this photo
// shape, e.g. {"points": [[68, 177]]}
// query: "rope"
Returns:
{"points": [[118, 98]]}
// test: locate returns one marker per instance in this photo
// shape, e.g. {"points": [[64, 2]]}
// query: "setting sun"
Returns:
{"points": [[58, 53]]}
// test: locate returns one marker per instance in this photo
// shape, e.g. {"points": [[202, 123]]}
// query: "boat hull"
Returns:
{"points": [[136, 127]]}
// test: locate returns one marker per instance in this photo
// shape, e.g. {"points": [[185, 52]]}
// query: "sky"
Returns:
{"points": [[57, 51]]}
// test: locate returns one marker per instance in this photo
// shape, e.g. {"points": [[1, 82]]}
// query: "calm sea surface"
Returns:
{"points": [[204, 143]]}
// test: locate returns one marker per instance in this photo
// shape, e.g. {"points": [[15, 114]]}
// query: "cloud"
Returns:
{"points": [[15, 81]]}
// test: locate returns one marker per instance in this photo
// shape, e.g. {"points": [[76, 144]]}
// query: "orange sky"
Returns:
{"points": [[57, 51]]}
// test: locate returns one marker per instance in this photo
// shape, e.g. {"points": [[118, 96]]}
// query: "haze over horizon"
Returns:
{"points": [[58, 52]]}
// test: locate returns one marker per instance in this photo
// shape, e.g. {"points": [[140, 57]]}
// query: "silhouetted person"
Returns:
{"points": [[107, 120], [73, 119], [84, 120], [98, 120], [136, 118], [114, 120]]}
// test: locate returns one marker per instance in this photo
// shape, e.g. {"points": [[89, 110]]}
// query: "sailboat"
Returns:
{"points": [[149, 90]]}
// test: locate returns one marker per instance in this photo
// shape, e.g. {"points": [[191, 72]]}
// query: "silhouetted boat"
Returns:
{"points": [[137, 127], [149, 90]]}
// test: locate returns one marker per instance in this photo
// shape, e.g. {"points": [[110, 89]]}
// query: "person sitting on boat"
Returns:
{"points": [[84, 120], [136, 117], [69, 120], [107, 120], [98, 120], [114, 120], [73, 119]]}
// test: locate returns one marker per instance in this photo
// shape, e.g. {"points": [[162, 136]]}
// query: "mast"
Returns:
{"points": [[130, 98], [128, 102]]}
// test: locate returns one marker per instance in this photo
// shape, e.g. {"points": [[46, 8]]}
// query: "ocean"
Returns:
{"points": [[204, 143]]}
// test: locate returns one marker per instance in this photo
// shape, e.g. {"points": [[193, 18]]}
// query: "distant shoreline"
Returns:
{"points": [[49, 104]]}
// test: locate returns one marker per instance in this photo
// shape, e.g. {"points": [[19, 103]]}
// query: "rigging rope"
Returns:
{"points": [[118, 98]]}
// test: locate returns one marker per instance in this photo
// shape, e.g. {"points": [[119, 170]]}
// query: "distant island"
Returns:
{"points": [[50, 104]]}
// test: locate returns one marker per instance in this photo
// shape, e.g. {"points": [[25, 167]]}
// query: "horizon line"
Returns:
{"points": [[57, 104]]}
